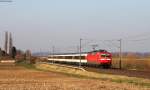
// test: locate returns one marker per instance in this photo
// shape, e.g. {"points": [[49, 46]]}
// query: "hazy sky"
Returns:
{"points": [[40, 24]]}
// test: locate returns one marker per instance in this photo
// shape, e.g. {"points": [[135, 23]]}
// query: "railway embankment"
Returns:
{"points": [[94, 75]]}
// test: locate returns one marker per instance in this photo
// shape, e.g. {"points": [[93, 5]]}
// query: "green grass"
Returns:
{"points": [[26, 65]]}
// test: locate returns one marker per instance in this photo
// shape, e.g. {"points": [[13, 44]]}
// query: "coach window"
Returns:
{"points": [[68, 57], [56, 57], [60, 57], [82, 57], [76, 57]]}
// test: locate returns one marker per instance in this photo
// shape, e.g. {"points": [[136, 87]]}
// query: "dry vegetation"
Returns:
{"points": [[104, 77], [19, 78], [133, 63]]}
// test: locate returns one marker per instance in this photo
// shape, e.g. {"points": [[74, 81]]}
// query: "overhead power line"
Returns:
{"points": [[142, 39], [139, 36]]}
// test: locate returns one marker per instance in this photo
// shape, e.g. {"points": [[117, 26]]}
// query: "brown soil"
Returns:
{"points": [[18, 78]]}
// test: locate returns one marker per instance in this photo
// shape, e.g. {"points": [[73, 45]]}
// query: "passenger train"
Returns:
{"points": [[97, 57]]}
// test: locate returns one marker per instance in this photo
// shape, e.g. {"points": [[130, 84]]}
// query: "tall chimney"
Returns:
{"points": [[6, 42], [10, 43]]}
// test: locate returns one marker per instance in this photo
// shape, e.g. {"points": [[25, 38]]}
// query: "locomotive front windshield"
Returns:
{"points": [[105, 55]]}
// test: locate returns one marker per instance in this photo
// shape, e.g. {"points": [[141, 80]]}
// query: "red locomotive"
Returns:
{"points": [[98, 57]]}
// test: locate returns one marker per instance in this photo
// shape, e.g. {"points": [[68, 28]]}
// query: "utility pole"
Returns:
{"points": [[80, 52], [120, 54]]}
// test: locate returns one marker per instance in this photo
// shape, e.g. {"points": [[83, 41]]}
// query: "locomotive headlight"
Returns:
{"points": [[103, 59]]}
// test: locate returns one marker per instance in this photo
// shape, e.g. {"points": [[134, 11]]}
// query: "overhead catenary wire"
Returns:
{"points": [[141, 35], [110, 44], [138, 40]]}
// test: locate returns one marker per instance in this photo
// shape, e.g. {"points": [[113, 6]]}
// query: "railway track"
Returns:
{"points": [[114, 71]]}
